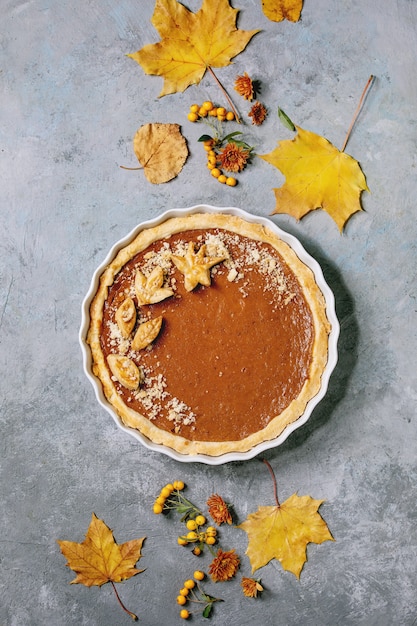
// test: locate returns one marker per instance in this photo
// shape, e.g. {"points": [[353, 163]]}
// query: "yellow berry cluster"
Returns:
{"points": [[187, 587], [196, 534], [165, 493], [208, 109], [212, 163]]}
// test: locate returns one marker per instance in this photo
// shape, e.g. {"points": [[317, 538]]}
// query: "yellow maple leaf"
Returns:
{"points": [[278, 10], [99, 559], [162, 150], [191, 42], [283, 532], [318, 175]]}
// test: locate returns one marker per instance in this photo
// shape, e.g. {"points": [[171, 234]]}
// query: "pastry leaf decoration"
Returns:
{"points": [[146, 333], [278, 10], [149, 289], [126, 317], [318, 175], [196, 266], [191, 43], [125, 371], [99, 559]]}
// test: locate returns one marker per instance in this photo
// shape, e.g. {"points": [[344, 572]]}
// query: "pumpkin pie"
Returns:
{"points": [[208, 334]]}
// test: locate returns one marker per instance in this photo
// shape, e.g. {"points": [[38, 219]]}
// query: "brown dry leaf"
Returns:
{"points": [[283, 532], [191, 43], [161, 150], [318, 175], [99, 559], [278, 10]]}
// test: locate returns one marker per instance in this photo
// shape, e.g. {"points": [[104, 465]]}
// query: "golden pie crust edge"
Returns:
{"points": [[312, 294]]}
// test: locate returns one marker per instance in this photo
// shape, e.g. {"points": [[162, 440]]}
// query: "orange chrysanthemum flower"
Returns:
{"points": [[244, 86], [233, 158], [219, 510], [250, 587], [224, 566], [258, 113]]}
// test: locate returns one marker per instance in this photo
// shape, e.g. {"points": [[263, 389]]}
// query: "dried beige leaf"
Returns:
{"points": [[149, 289], [124, 370], [146, 333], [126, 317], [161, 150]]}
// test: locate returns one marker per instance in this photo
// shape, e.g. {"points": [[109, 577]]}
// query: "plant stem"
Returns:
{"points": [[226, 95], [132, 615], [274, 480], [123, 167], [358, 108]]}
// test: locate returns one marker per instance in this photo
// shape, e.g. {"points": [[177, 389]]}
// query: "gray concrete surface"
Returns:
{"points": [[71, 102]]}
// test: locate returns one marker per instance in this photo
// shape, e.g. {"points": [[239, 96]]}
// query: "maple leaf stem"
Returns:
{"points": [[274, 480], [226, 95], [124, 167], [358, 109], [132, 615]]}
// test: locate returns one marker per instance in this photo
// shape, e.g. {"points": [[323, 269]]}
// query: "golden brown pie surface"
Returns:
{"points": [[208, 334]]}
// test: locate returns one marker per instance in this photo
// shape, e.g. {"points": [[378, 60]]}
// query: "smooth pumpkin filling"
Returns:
{"points": [[212, 361]]}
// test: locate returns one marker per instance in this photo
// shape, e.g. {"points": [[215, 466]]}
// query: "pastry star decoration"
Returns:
{"points": [[196, 266]]}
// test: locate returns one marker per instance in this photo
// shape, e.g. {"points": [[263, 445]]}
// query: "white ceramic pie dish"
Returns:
{"points": [[332, 340]]}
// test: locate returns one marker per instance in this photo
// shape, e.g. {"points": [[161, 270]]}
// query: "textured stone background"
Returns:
{"points": [[71, 102]]}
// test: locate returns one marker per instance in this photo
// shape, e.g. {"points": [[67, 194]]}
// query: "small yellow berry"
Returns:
{"points": [[221, 111], [230, 116], [181, 599], [211, 166], [202, 112], [208, 105], [179, 485], [182, 542], [189, 584], [211, 531], [222, 178], [192, 117], [194, 108], [192, 536], [212, 153], [199, 575], [191, 524], [221, 118], [215, 172], [157, 508], [184, 614], [165, 492], [196, 551], [200, 520], [210, 541], [232, 182], [160, 500], [184, 591], [213, 112]]}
